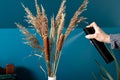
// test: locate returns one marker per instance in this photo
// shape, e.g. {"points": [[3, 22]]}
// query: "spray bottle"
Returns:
{"points": [[100, 46]]}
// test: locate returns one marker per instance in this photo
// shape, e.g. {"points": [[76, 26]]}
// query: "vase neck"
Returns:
{"points": [[52, 78]]}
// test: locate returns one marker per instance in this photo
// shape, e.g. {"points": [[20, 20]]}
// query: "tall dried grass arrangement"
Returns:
{"points": [[52, 43]]}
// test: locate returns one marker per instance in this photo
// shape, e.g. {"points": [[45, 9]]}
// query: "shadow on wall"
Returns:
{"points": [[23, 73]]}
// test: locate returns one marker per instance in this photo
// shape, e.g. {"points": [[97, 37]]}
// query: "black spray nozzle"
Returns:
{"points": [[100, 46]]}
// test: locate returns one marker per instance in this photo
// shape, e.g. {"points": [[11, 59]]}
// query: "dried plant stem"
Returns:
{"points": [[94, 76], [58, 50], [56, 65], [104, 70], [116, 65], [46, 48], [53, 29], [49, 68], [59, 46], [47, 53], [60, 43]]}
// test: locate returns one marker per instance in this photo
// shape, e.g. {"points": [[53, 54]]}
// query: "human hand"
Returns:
{"points": [[99, 34]]}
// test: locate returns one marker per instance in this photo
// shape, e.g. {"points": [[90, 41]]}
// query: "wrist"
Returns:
{"points": [[107, 39]]}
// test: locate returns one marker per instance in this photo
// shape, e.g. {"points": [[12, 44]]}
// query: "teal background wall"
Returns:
{"points": [[104, 12], [77, 60]]}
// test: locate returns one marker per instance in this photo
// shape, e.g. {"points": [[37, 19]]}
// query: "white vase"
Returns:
{"points": [[52, 78]]}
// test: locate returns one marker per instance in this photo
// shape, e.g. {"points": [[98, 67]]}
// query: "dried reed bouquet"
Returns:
{"points": [[54, 41]]}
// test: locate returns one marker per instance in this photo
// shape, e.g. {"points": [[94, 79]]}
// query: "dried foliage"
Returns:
{"points": [[39, 22], [76, 18], [60, 13], [61, 25], [52, 43], [30, 38]]}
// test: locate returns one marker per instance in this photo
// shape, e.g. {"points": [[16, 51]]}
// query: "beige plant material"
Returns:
{"points": [[47, 53], [30, 38], [52, 30], [37, 9], [76, 19], [40, 22], [59, 46], [60, 13], [29, 16], [52, 43], [46, 48], [60, 43], [61, 25]]}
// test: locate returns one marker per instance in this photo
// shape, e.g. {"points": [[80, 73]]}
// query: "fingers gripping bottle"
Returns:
{"points": [[100, 46]]}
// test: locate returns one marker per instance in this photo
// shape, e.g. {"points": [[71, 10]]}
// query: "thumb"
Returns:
{"points": [[90, 36]]}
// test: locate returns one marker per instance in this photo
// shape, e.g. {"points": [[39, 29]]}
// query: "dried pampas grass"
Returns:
{"points": [[30, 38], [54, 41], [76, 19], [60, 13], [40, 22], [61, 25]]}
